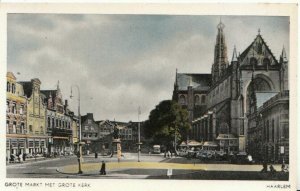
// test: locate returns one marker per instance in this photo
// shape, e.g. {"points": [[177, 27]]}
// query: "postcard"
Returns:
{"points": [[149, 96]]}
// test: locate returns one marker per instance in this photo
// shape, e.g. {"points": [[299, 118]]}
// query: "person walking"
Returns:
{"points": [[103, 170], [265, 167]]}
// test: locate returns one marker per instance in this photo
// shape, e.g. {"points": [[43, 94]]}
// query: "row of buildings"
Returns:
{"points": [[241, 106], [40, 122]]}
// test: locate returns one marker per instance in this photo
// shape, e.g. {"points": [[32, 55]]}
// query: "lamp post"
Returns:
{"points": [[139, 134], [79, 119]]}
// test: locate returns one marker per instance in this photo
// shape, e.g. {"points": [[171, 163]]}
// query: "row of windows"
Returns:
{"points": [[183, 100], [12, 108], [90, 135], [11, 87], [19, 129], [264, 62], [52, 123]]}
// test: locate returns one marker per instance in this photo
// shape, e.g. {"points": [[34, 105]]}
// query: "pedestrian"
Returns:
{"points": [[96, 155], [24, 156], [102, 170], [265, 167], [272, 169], [165, 154], [169, 154]]}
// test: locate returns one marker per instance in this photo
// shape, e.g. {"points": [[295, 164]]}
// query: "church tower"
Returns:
{"points": [[284, 70], [220, 58]]}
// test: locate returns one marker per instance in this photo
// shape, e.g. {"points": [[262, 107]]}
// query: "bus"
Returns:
{"points": [[156, 149]]}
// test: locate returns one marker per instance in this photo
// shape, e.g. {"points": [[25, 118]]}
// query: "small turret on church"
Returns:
{"points": [[220, 58], [284, 70]]}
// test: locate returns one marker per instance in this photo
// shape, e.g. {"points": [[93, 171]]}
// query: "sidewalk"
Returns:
{"points": [[36, 160]]}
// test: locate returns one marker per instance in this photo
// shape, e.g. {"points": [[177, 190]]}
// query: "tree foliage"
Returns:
{"points": [[164, 121]]}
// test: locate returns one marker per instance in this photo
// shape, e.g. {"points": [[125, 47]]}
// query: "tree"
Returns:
{"points": [[164, 121]]}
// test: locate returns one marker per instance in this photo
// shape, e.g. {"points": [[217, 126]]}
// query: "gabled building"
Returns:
{"points": [[36, 117], [16, 117], [89, 133], [59, 122]]}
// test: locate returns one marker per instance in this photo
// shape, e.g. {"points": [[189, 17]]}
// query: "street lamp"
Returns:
{"points": [[139, 134], [79, 119]]}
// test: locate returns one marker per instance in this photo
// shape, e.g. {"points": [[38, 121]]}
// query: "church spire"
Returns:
{"points": [[283, 56], [220, 57], [234, 55]]}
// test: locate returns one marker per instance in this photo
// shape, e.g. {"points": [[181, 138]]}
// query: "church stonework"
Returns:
{"points": [[229, 90]]}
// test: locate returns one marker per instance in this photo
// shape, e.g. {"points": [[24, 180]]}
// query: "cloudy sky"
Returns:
{"points": [[123, 61]]}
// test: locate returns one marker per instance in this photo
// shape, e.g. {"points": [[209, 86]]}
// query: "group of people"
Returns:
{"points": [[284, 168], [17, 158], [168, 154]]}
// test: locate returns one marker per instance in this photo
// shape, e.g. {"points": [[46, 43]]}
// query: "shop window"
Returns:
{"points": [[30, 128]]}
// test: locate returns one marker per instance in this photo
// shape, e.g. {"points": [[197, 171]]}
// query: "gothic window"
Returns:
{"points": [[56, 124], [257, 85], [8, 87], [203, 98], [253, 61], [266, 62], [197, 99], [182, 100]]}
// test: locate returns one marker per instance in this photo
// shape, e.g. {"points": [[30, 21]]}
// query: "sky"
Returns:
{"points": [[121, 62]]}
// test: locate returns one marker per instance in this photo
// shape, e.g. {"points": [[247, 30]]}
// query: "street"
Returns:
{"points": [[150, 167]]}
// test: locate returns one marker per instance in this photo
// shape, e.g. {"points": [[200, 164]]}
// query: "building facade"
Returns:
{"points": [[59, 122], [89, 133], [16, 107], [228, 93], [268, 139], [36, 118]]}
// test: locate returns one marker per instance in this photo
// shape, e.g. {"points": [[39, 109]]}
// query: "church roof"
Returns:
{"points": [[262, 97], [254, 46], [198, 81]]}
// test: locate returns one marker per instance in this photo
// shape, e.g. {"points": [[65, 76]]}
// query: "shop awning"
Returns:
{"points": [[210, 144]]}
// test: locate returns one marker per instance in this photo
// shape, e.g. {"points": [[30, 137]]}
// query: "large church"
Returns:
{"points": [[225, 107]]}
